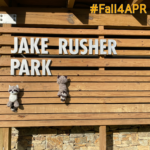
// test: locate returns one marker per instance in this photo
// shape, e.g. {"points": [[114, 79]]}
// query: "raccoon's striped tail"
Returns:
{"points": [[13, 108], [63, 96]]}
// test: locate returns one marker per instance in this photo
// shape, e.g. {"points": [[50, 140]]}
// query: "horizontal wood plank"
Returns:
{"points": [[74, 17], [84, 62], [75, 79], [57, 31], [81, 100], [74, 122], [80, 86], [92, 116], [77, 108], [79, 94], [54, 41]]}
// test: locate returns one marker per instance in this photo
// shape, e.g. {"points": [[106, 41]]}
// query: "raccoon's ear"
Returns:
{"points": [[58, 76], [17, 86], [66, 77], [9, 86]]}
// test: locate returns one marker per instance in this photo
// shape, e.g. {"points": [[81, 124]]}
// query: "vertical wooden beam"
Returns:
{"points": [[5, 133], [102, 37], [131, 2], [1, 138], [102, 134], [71, 3], [5, 26], [5, 138], [3, 3], [102, 129]]}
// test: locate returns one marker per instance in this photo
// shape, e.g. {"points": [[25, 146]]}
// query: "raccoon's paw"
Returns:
{"points": [[9, 104], [64, 94], [63, 99], [14, 109]]}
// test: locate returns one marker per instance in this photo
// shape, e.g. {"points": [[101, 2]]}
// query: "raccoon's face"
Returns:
{"points": [[13, 89]]}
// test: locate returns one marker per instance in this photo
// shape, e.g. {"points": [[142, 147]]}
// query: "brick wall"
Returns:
{"points": [[80, 138]]}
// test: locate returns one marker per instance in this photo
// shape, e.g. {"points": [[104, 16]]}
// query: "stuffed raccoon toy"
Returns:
{"points": [[63, 93], [13, 98]]}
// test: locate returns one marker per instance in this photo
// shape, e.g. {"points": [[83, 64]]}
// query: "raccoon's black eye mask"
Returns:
{"points": [[14, 90]]}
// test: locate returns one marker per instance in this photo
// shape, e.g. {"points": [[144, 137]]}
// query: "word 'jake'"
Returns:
{"points": [[63, 43], [33, 44]]}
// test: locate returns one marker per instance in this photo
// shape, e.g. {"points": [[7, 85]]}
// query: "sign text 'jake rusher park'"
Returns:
{"points": [[22, 47]]}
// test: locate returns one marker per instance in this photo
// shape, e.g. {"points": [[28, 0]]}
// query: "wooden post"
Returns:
{"points": [[1, 138], [102, 134], [102, 129], [5, 133], [102, 37], [131, 2], [5, 138], [71, 3], [3, 3]]}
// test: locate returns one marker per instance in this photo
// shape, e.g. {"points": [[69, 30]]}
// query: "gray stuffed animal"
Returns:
{"points": [[13, 98], [63, 92]]}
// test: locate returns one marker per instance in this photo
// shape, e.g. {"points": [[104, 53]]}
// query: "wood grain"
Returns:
{"points": [[74, 17], [86, 116], [66, 31], [78, 108], [83, 94], [54, 41], [80, 86], [84, 62], [70, 3], [82, 100], [5, 138], [75, 79], [102, 134], [74, 122], [6, 132]]}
